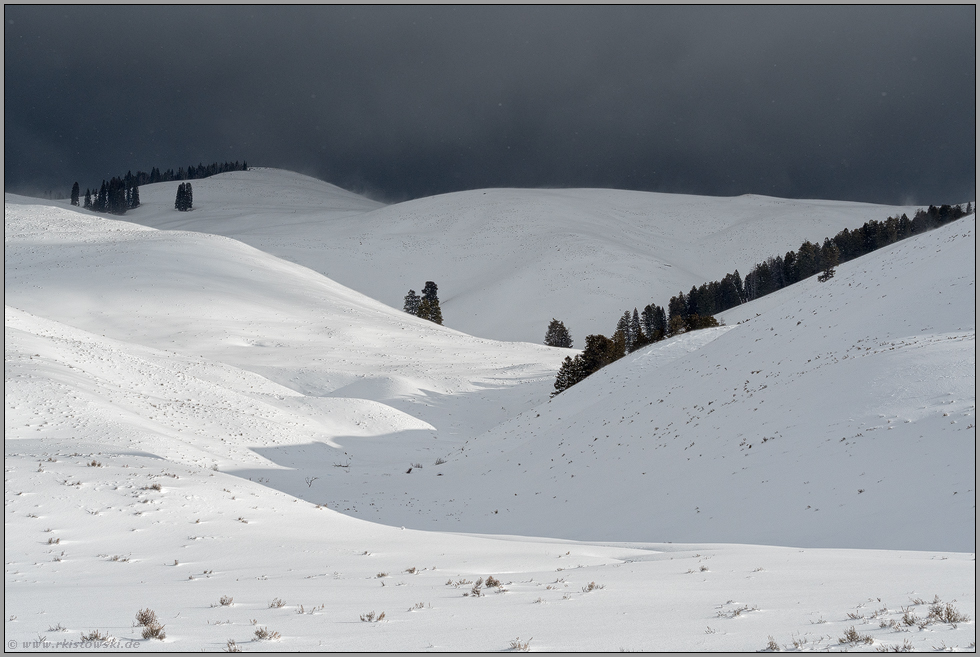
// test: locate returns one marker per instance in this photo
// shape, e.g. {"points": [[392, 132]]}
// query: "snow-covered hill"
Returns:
{"points": [[828, 414], [507, 261], [211, 296], [188, 418]]}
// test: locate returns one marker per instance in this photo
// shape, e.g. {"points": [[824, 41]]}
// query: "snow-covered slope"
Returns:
{"points": [[187, 418], [205, 295], [112, 495], [507, 260], [828, 414]]}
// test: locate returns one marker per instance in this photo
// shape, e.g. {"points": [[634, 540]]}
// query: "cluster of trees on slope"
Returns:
{"points": [[634, 330], [696, 309], [778, 272], [426, 306], [115, 196], [121, 194], [185, 197]]}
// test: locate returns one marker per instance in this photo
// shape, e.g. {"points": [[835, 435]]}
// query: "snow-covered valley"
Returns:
{"points": [[192, 415]]}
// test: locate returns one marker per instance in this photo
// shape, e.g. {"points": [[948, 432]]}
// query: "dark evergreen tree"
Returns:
{"points": [[623, 329], [425, 309], [599, 351], [74, 194], [619, 345], [654, 322], [563, 381], [430, 294], [807, 260], [557, 335], [180, 203], [102, 203], [185, 197], [412, 302], [116, 202], [677, 312], [635, 333], [830, 254], [88, 199], [135, 197], [676, 326]]}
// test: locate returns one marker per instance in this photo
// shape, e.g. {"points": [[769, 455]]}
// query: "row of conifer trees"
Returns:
{"points": [[114, 196], [696, 309], [120, 194]]}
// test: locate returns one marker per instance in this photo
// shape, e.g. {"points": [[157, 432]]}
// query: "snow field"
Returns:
{"points": [[188, 418]]}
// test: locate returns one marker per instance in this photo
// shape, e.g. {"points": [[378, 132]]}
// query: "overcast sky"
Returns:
{"points": [[873, 103]]}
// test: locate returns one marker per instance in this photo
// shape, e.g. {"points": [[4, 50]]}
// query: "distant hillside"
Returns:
{"points": [[507, 260]]}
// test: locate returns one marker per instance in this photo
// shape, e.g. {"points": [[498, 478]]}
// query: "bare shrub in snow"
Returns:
{"points": [[95, 635], [851, 636], [524, 646], [146, 617], [947, 613], [264, 634], [154, 631]]}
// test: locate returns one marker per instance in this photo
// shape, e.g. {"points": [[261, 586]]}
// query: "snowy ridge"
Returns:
{"points": [[508, 260]]}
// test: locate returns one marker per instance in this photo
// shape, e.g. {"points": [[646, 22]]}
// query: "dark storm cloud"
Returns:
{"points": [[869, 103]]}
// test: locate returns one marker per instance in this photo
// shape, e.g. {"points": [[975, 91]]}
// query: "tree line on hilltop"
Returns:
{"points": [[118, 195], [696, 309]]}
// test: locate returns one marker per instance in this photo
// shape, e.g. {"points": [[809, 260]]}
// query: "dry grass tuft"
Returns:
{"points": [[264, 634], [524, 646], [946, 613], [851, 636]]}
